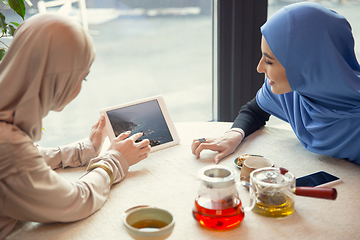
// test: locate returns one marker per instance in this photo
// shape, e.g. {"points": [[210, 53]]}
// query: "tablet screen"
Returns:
{"points": [[145, 117]]}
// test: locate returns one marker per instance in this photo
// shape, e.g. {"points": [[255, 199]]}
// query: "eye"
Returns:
{"points": [[267, 62]]}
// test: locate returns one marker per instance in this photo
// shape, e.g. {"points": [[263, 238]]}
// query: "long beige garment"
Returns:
{"points": [[31, 191], [48, 58]]}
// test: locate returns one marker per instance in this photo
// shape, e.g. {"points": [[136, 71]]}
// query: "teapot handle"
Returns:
{"points": [[252, 196], [317, 192]]}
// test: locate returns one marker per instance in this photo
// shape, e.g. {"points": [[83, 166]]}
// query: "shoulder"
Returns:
{"points": [[10, 134], [17, 150]]}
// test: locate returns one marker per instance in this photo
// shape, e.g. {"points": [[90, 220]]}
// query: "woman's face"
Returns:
{"points": [[273, 70]]}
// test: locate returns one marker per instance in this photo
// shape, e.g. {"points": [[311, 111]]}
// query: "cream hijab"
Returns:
{"points": [[47, 58]]}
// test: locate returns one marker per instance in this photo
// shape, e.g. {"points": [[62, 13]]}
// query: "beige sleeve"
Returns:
{"points": [[115, 161], [37, 193], [73, 155]]}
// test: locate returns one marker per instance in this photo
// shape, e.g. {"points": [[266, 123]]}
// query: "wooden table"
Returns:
{"points": [[168, 179]]}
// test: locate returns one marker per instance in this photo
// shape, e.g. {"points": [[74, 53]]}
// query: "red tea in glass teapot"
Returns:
{"points": [[218, 205]]}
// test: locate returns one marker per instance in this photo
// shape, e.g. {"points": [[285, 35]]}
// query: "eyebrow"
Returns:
{"points": [[268, 56]]}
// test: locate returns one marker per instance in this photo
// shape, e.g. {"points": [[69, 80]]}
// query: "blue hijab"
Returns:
{"points": [[316, 47]]}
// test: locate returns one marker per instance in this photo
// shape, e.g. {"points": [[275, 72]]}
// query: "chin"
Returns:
{"points": [[279, 91], [275, 91]]}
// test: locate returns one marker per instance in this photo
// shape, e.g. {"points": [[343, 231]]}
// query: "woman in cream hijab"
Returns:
{"points": [[43, 70]]}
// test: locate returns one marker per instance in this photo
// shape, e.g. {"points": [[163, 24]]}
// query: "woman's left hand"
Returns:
{"points": [[98, 134]]}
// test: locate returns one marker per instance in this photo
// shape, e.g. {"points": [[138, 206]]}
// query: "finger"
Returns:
{"points": [[145, 150], [194, 146], [102, 126], [209, 146], [124, 135], [195, 141], [98, 123], [218, 157], [136, 136], [200, 140], [143, 156], [102, 122], [95, 126], [221, 155], [144, 143], [198, 150]]}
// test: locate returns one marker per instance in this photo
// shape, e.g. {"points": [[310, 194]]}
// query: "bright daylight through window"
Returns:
{"points": [[146, 48], [143, 48]]}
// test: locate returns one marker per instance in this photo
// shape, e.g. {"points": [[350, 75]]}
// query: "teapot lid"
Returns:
{"points": [[271, 176], [217, 176]]}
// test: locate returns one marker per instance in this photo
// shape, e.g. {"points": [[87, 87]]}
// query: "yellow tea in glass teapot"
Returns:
{"points": [[273, 192]]}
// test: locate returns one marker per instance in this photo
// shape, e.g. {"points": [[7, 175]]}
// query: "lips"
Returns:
{"points": [[271, 82]]}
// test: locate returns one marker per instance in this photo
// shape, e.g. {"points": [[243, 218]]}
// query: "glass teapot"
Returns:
{"points": [[218, 205], [273, 190]]}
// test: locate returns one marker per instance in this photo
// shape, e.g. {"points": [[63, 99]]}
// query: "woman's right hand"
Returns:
{"points": [[224, 145], [132, 151]]}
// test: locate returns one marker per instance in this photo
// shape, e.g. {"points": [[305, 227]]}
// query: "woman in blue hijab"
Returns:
{"points": [[312, 82]]}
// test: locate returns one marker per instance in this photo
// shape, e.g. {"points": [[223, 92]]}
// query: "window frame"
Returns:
{"points": [[236, 52]]}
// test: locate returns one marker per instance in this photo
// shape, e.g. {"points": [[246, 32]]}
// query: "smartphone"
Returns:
{"points": [[317, 179]]}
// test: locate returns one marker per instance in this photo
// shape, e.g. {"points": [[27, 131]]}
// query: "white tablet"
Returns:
{"points": [[149, 116]]}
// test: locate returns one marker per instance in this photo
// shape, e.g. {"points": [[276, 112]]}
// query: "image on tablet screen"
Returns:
{"points": [[143, 117]]}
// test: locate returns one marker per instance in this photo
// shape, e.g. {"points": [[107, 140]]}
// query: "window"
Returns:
{"points": [[144, 48]]}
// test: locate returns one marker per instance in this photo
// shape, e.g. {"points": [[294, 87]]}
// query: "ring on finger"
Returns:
{"points": [[202, 140]]}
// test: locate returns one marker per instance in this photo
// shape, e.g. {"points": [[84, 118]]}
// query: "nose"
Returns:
{"points": [[260, 67]]}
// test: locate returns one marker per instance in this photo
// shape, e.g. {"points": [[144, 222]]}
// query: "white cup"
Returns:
{"points": [[253, 163]]}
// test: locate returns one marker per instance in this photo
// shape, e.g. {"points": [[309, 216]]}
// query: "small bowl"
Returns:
{"points": [[250, 155], [148, 223]]}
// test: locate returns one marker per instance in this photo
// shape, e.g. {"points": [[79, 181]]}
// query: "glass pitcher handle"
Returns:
{"points": [[252, 196]]}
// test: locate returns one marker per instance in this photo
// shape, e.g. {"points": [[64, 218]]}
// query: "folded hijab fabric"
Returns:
{"points": [[38, 74], [316, 47]]}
